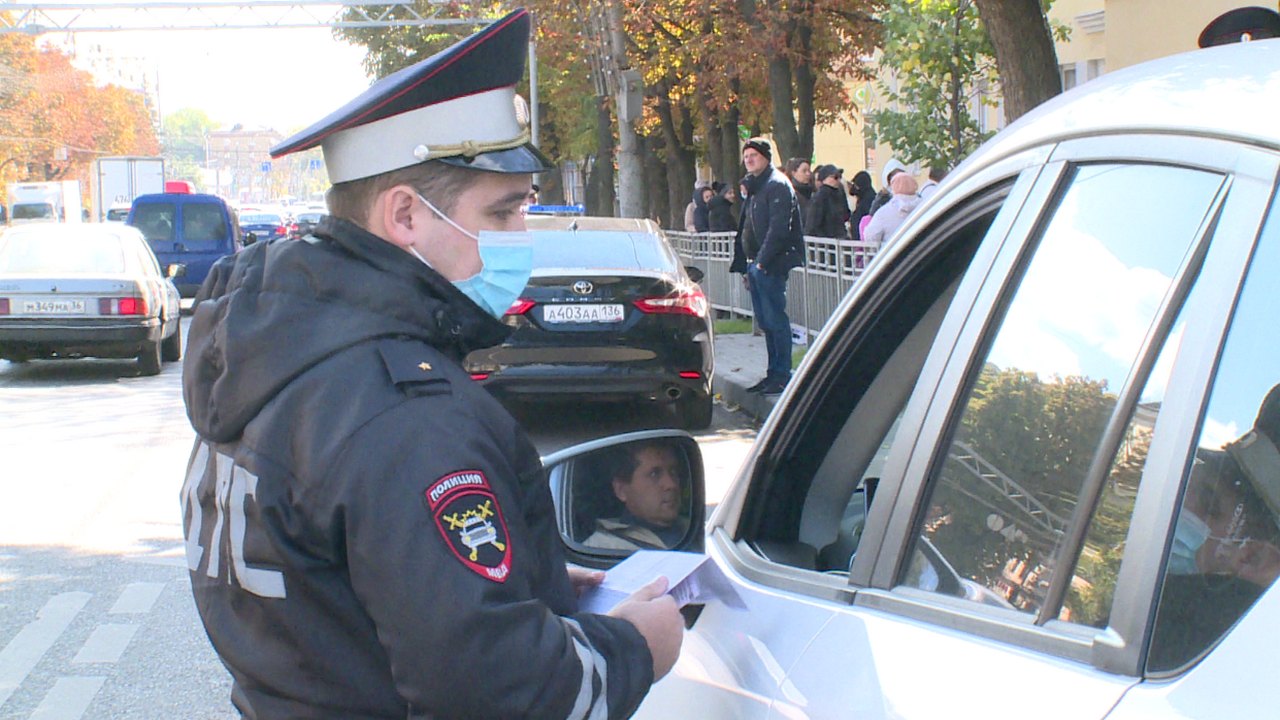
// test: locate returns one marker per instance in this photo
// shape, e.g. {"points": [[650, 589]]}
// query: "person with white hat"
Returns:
{"points": [[369, 533]]}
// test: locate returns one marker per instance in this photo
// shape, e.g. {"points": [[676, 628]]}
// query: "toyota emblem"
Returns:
{"points": [[583, 287]]}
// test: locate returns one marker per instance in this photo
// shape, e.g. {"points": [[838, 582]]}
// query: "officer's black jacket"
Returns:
{"points": [[322, 377]]}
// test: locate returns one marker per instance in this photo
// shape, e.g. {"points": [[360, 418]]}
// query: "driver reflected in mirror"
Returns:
{"points": [[649, 482]]}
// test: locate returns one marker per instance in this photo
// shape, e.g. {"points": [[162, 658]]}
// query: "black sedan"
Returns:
{"points": [[609, 314], [303, 223], [86, 290], [264, 226]]}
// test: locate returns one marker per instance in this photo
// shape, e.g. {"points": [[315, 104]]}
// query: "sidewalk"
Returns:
{"points": [[740, 363]]}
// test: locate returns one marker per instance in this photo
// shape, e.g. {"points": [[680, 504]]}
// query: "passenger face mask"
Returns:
{"points": [[506, 263]]}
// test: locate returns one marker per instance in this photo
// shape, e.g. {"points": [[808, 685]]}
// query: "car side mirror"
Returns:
{"points": [[250, 238], [175, 270], [616, 495], [695, 273]]}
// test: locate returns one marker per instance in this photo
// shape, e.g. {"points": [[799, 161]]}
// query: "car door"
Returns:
{"points": [[964, 504]]}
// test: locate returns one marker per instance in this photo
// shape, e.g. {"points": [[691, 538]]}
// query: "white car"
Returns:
{"points": [[87, 290], [1030, 467]]}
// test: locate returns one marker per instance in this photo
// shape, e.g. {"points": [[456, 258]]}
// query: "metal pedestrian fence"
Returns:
{"points": [[832, 266]]}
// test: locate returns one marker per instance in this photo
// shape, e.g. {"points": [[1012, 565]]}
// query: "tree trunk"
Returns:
{"points": [[630, 156], [805, 82], [784, 119], [731, 171], [677, 135], [658, 177], [1025, 56], [714, 141], [599, 191]]}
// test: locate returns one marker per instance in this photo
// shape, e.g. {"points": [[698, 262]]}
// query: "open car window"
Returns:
{"points": [[810, 511]]}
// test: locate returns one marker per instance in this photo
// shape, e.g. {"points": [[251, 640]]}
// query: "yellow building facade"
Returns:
{"points": [[1105, 35]]}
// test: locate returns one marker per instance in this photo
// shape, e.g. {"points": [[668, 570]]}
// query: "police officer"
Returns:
{"points": [[369, 533]]}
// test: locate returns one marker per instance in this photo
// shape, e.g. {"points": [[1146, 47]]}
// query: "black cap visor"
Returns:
{"points": [[523, 159]]}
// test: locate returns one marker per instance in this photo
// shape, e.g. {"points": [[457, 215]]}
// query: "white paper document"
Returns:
{"points": [[692, 579]]}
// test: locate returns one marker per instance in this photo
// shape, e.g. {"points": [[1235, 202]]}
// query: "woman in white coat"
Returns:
{"points": [[887, 219]]}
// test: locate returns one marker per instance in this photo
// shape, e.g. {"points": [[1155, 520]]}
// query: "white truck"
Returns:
{"points": [[54, 201], [114, 182]]}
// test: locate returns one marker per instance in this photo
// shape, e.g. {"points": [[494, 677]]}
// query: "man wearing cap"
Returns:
{"points": [[368, 532], [769, 243], [828, 211]]}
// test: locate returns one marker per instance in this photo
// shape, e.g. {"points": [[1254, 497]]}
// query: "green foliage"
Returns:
{"points": [[937, 64], [184, 134], [733, 326]]}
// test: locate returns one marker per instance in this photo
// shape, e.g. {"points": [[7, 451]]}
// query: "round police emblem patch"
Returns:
{"points": [[466, 512]]}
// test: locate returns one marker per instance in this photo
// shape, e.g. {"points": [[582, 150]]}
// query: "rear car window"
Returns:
{"points": [[596, 250], [155, 220], [28, 254], [203, 223]]}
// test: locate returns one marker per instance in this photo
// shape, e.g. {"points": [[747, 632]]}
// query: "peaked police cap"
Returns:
{"points": [[458, 106], [1241, 24]]}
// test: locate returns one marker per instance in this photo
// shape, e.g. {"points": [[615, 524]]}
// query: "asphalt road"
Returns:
{"points": [[96, 616]]}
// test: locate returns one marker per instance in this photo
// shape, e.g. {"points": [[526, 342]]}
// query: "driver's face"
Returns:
{"points": [[653, 492]]}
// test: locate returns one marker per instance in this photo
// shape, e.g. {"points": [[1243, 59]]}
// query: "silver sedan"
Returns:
{"points": [[86, 290]]}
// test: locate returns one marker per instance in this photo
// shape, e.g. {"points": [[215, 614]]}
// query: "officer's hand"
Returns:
{"points": [[584, 579], [655, 615]]}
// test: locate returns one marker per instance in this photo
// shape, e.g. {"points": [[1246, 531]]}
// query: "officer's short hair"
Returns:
{"points": [[438, 182]]}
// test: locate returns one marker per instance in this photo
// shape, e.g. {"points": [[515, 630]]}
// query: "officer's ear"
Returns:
{"points": [[396, 214]]}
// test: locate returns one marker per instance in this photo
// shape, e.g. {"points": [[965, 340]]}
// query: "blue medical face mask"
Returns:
{"points": [[1189, 535], [506, 263]]}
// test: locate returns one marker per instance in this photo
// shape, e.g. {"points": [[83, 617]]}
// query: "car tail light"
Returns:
{"points": [[293, 229], [122, 306], [281, 230], [520, 306], [689, 374], [4, 306], [692, 302], [479, 376]]}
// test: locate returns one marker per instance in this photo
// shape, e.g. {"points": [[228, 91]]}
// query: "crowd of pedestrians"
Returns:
{"points": [[828, 206], [770, 212]]}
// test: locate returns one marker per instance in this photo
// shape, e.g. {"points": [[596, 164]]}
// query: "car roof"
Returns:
{"points": [[586, 222], [1226, 92], [60, 231], [179, 197]]}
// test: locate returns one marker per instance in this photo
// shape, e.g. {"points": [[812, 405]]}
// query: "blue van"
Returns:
{"points": [[190, 229]]}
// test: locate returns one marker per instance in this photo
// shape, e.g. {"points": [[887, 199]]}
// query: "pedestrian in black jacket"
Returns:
{"points": [[369, 533], [828, 211], [770, 242], [864, 194], [720, 210]]}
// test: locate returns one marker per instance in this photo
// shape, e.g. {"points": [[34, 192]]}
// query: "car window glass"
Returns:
{"points": [[1225, 548], [203, 222], [1002, 496], [600, 250], [814, 504], [63, 256], [155, 220]]}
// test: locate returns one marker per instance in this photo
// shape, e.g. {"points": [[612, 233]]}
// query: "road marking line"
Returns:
{"points": [[137, 598], [34, 640], [106, 644], [68, 698]]}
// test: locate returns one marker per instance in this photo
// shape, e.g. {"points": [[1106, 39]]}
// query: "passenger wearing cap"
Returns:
{"points": [[828, 210], [369, 533]]}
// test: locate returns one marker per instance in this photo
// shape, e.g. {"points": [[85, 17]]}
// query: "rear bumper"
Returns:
{"points": [[593, 382], [113, 338]]}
